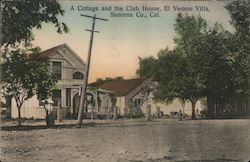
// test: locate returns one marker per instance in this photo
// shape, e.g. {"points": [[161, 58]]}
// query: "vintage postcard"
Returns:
{"points": [[125, 80]]}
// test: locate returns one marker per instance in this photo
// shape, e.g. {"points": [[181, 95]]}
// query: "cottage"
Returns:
{"points": [[124, 91]]}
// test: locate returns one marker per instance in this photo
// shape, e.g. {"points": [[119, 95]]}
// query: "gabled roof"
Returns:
{"points": [[52, 51], [47, 53], [122, 87]]}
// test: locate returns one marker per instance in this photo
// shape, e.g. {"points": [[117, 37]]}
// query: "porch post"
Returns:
{"points": [[59, 117], [115, 108], [71, 105]]}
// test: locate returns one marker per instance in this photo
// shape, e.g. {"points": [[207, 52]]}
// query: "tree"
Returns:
{"points": [[187, 72], [204, 66], [100, 81], [240, 13], [180, 72], [206, 61], [183, 72], [147, 67], [190, 31], [20, 17], [23, 78], [240, 42], [220, 73], [177, 79]]}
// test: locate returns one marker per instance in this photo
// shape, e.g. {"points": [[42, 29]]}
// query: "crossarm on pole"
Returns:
{"points": [[94, 17], [92, 30]]}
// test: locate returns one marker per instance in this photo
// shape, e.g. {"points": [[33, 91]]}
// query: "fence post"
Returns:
{"points": [[148, 114]]}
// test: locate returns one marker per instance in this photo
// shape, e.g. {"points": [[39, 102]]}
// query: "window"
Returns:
{"points": [[78, 75], [137, 103], [41, 103], [56, 97], [57, 69]]}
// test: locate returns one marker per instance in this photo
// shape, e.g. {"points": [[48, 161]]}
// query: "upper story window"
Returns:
{"points": [[57, 69], [78, 75]]}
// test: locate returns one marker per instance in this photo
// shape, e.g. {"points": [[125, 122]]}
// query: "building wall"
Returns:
{"points": [[105, 104], [175, 106], [120, 103], [69, 73], [133, 93], [30, 109]]}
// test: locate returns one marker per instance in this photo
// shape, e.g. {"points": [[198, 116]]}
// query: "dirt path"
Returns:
{"points": [[132, 140]]}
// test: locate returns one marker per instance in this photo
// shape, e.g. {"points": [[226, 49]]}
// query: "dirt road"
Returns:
{"points": [[130, 140]]}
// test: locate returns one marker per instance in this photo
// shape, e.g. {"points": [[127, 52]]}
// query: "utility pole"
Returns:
{"points": [[84, 90]]}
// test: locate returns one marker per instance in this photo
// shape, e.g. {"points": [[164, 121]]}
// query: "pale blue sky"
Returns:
{"points": [[121, 40]]}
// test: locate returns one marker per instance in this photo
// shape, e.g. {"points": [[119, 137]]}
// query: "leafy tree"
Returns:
{"points": [[220, 74], [200, 64], [205, 62], [23, 78], [240, 42], [184, 72], [180, 72], [100, 81], [20, 17], [147, 67], [240, 13], [177, 80], [190, 31]]}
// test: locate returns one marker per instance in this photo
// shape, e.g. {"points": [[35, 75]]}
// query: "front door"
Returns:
{"points": [[76, 105]]}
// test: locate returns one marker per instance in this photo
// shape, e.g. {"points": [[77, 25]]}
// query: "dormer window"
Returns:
{"points": [[78, 75]]}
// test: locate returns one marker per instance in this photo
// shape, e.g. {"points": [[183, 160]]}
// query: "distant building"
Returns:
{"points": [[132, 98]]}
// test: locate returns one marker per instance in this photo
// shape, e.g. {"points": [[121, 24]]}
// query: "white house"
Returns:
{"points": [[69, 69]]}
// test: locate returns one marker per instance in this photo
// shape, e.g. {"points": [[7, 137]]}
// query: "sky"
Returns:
{"points": [[122, 40]]}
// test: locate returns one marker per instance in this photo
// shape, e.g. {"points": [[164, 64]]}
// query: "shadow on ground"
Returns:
{"points": [[173, 159], [35, 127], [217, 160], [66, 126]]}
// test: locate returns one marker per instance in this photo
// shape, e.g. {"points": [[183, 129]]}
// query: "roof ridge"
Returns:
{"points": [[53, 47], [135, 78], [46, 53], [126, 79], [122, 87]]}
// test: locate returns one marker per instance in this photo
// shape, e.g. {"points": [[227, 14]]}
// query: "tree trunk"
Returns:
{"points": [[19, 116], [148, 113], [183, 106], [193, 109]]}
